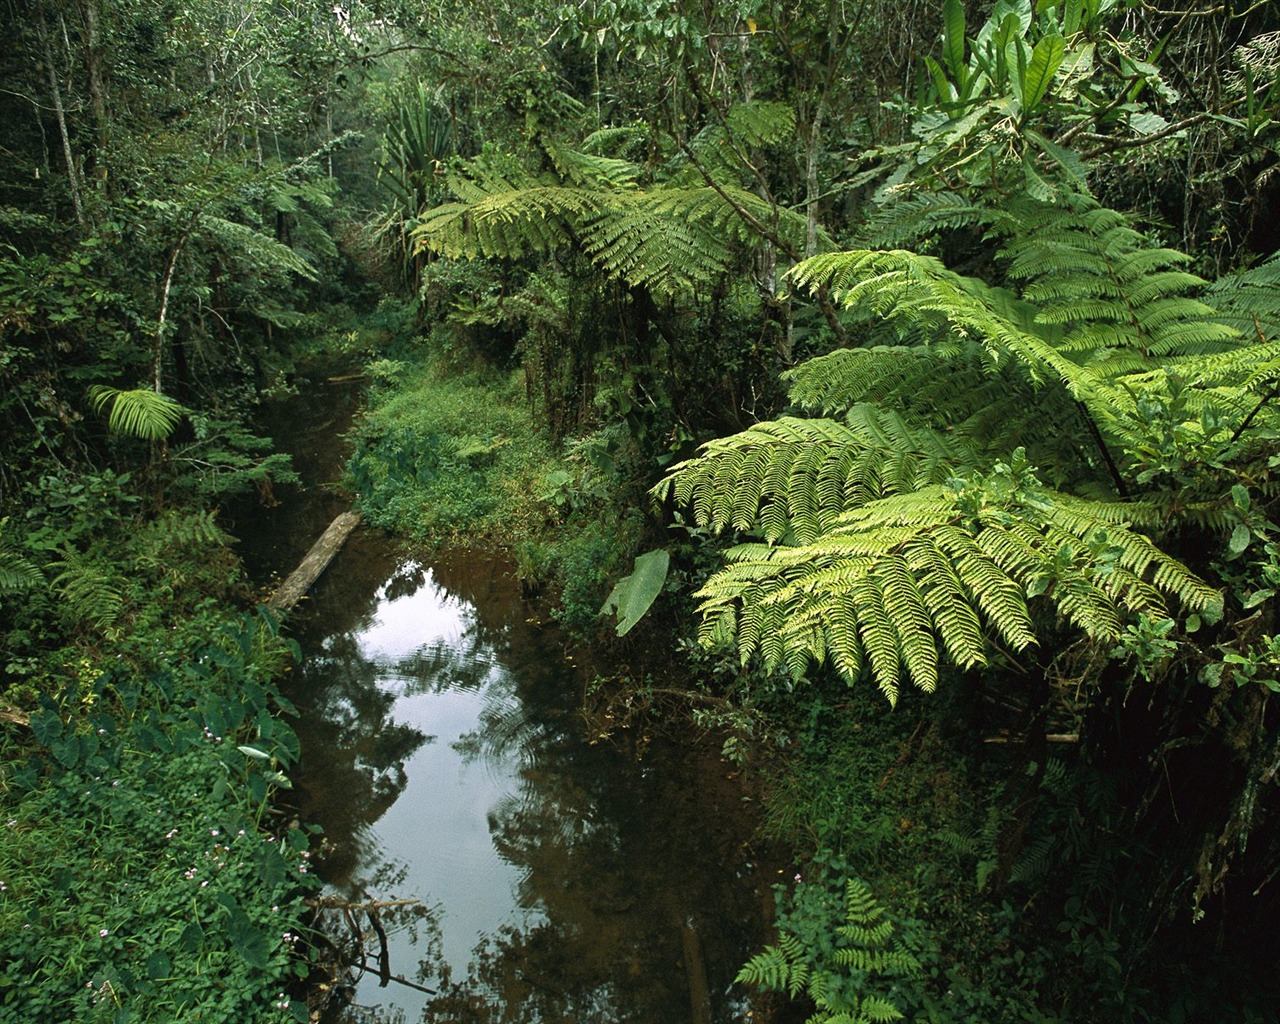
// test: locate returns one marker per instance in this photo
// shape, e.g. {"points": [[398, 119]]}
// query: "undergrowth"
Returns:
{"points": [[143, 875]]}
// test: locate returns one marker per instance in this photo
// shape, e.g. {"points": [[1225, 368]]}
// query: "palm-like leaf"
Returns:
{"points": [[139, 412]]}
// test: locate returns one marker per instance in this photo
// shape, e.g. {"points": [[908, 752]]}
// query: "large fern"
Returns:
{"points": [[944, 569], [910, 529], [672, 238]]}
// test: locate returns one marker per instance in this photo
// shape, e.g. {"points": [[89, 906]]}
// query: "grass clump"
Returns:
{"points": [[439, 458]]}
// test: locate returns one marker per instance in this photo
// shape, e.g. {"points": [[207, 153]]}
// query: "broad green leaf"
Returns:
{"points": [[158, 965], [1257, 598], [946, 92], [1046, 58], [1240, 537], [1071, 17], [953, 37], [635, 594], [1146, 123]]}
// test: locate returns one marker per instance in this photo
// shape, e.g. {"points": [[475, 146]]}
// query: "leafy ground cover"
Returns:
{"points": [[143, 874]]}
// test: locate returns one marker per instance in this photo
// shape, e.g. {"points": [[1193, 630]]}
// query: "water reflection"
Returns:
{"points": [[565, 879]]}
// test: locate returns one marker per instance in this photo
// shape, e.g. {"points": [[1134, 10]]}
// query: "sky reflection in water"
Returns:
{"points": [[444, 756]]}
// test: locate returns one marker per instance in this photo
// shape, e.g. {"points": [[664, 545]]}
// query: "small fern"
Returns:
{"points": [[865, 955], [185, 530], [90, 594], [780, 968], [18, 574]]}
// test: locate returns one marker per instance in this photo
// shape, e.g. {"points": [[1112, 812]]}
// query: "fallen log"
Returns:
{"points": [[338, 903], [315, 562]]}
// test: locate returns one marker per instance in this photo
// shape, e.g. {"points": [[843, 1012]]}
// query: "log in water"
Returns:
{"points": [[316, 561]]}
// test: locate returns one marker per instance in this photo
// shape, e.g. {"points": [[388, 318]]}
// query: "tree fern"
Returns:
{"points": [[898, 533], [945, 570], [793, 477], [671, 239], [254, 247]]}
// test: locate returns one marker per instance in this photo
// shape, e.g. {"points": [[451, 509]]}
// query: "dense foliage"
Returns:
{"points": [[970, 310]]}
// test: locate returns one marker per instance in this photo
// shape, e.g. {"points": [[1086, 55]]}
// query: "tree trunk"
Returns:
{"points": [[73, 179], [97, 86]]}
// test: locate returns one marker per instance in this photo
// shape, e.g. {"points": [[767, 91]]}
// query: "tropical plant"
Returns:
{"points": [[416, 145], [843, 980], [671, 238], [139, 412], [911, 528]]}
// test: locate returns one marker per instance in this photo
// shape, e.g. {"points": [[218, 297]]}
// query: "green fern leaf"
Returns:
{"points": [[90, 593]]}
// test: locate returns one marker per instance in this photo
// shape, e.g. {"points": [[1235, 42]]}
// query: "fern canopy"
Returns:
{"points": [[904, 527], [672, 238]]}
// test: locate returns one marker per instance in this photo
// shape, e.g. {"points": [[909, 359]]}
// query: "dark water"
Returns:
{"points": [[563, 876]]}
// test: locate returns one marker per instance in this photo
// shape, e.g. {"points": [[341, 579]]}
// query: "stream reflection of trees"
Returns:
{"points": [[628, 863], [354, 753], [631, 868]]}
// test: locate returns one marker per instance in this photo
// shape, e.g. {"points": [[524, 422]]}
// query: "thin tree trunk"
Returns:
{"points": [[158, 364], [97, 85], [73, 179]]}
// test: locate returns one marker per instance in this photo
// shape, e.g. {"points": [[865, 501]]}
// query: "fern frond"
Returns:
{"points": [[910, 219], [617, 141], [670, 239], [749, 125], [795, 476], [18, 574], [837, 979], [254, 247], [762, 122], [779, 968], [892, 586], [1249, 300], [175, 530], [90, 593], [588, 170]]}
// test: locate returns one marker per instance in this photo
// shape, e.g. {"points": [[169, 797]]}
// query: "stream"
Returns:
{"points": [[562, 875]]}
